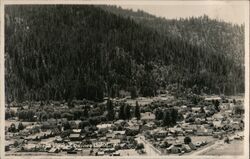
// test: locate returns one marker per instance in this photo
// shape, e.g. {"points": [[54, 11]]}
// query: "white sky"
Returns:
{"points": [[226, 11]]}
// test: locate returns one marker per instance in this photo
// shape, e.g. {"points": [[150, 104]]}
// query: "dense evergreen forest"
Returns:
{"points": [[61, 52], [213, 35]]}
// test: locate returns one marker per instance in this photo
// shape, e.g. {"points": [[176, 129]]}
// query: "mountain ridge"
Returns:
{"points": [[176, 27], [65, 52]]}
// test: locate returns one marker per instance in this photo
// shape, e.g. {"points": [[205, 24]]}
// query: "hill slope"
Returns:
{"points": [[61, 52], [210, 34], [216, 35]]}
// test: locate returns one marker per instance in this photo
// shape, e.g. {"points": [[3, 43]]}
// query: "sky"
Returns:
{"points": [[226, 11]]}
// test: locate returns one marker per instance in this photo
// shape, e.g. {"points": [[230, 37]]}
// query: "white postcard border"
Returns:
{"points": [[124, 2]]}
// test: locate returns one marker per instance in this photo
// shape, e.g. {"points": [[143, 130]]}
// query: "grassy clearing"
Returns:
{"points": [[234, 148]]}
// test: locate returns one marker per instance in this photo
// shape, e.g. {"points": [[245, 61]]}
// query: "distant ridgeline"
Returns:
{"points": [[65, 52]]}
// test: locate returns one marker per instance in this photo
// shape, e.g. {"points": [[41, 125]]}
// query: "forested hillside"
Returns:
{"points": [[216, 35], [210, 34], [65, 52]]}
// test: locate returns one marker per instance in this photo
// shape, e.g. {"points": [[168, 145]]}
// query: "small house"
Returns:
{"points": [[147, 117], [148, 126], [75, 137], [103, 139], [100, 153], [228, 112], [73, 124], [48, 125], [109, 150], [173, 149], [104, 126], [76, 131], [110, 135], [116, 153], [52, 121], [176, 130], [161, 134], [186, 148], [213, 98], [98, 144], [218, 116], [218, 124], [225, 106], [29, 147], [204, 132], [192, 146], [114, 141], [196, 109], [236, 126], [189, 129], [134, 128], [119, 134], [119, 122], [184, 107]]}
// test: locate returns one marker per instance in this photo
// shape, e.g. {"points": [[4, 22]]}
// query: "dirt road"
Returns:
{"points": [[149, 148]]}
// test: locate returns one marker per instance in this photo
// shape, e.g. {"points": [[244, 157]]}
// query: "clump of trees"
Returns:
{"points": [[124, 111], [27, 115], [169, 117], [139, 146], [216, 104], [187, 140], [9, 113]]}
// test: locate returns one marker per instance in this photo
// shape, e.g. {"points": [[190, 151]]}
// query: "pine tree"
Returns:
{"points": [[127, 112], [174, 116], [12, 128], [187, 140], [20, 126], [110, 110], [86, 112], [167, 118], [216, 105], [133, 92], [202, 110], [137, 111], [159, 114], [121, 112]]}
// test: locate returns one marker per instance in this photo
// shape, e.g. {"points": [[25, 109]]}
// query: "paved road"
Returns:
{"points": [[150, 150]]}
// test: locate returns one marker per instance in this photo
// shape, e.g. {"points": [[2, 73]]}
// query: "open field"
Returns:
{"points": [[234, 148], [129, 152], [199, 138]]}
